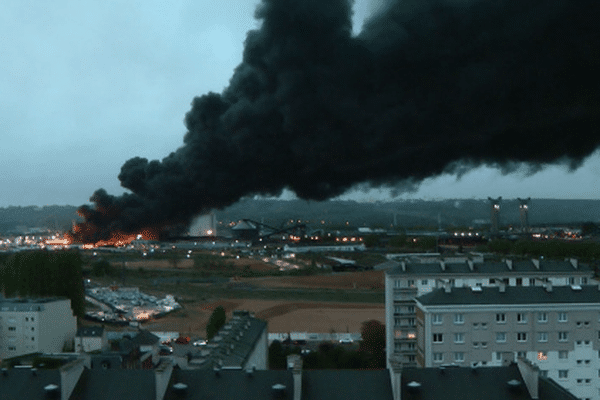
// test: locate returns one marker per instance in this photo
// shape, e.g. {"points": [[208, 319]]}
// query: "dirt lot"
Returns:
{"points": [[282, 316], [186, 263], [368, 280]]}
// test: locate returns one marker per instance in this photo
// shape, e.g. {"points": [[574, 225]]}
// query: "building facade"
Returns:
{"points": [[406, 281], [555, 328], [35, 325]]}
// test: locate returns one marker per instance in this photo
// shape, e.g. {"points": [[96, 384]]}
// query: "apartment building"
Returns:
{"points": [[407, 280], [35, 325], [555, 328]]}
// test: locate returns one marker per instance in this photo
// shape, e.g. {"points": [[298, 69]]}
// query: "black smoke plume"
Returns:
{"points": [[426, 86]]}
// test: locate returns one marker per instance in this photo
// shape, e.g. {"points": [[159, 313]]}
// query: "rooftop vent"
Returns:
{"points": [[180, 388], [278, 390], [52, 391], [576, 287], [514, 384], [413, 386], [476, 289]]}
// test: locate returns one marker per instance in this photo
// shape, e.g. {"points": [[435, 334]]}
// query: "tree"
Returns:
{"points": [[216, 321], [277, 358], [373, 343], [45, 274]]}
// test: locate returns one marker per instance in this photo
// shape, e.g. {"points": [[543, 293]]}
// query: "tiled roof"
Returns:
{"points": [[489, 383], [230, 385], [95, 331], [346, 384]]}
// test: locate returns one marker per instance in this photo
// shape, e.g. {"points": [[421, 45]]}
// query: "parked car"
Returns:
{"points": [[200, 343]]}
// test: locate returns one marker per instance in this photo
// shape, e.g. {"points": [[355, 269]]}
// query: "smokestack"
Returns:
{"points": [[495, 213], [524, 213], [426, 88]]}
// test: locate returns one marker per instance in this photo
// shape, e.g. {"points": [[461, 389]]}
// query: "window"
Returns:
{"points": [[411, 283], [476, 326], [411, 309], [26, 319], [475, 344], [424, 281], [542, 336], [397, 309], [397, 346], [500, 337], [437, 319], [411, 322], [32, 329], [584, 280], [563, 373], [459, 318], [12, 348], [438, 338], [562, 317], [562, 336], [484, 325], [12, 328], [542, 317], [543, 373], [579, 362], [501, 317], [459, 338], [498, 355], [563, 355], [542, 356], [411, 346], [521, 318], [397, 321], [587, 362], [521, 336], [521, 354], [438, 357], [411, 358], [519, 282], [483, 344], [459, 356]]}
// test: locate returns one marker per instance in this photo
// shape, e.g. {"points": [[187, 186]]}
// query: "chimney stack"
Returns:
{"points": [[531, 375], [502, 287], [574, 262], [396, 378], [447, 287], [294, 362]]}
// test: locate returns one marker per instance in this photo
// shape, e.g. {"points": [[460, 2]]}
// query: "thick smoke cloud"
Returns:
{"points": [[426, 86]]}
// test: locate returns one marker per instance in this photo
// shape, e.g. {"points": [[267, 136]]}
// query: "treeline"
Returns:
{"points": [[585, 251], [44, 274], [369, 355]]}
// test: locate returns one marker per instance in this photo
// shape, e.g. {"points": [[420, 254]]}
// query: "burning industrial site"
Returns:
{"points": [[426, 87]]}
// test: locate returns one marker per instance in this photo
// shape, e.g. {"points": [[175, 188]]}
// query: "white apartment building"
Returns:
{"points": [[556, 328], [35, 325], [408, 280]]}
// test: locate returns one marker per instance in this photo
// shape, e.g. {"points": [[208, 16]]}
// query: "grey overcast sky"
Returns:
{"points": [[85, 86]]}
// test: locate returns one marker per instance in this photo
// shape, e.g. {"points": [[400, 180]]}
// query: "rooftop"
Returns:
{"points": [[486, 268], [489, 383], [588, 294]]}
